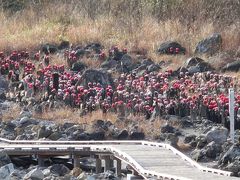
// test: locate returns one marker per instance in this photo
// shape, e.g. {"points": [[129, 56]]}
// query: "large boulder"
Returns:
{"points": [[8, 130], [17, 174], [44, 132], [49, 48], [196, 64], [147, 62], [121, 135], [26, 121], [126, 60], [153, 67], [137, 135], [98, 123], [59, 169], [98, 135], [79, 136], [8, 126], [190, 138], [97, 76], [234, 167], [55, 135], [24, 162], [64, 45], [4, 159], [5, 171], [71, 129], [3, 88], [25, 113], [125, 64], [35, 174], [170, 47], [87, 163], [109, 64], [232, 153], [217, 134], [2, 95], [79, 52], [78, 66], [67, 125], [185, 122], [210, 45], [167, 129], [3, 83], [193, 69], [101, 124], [193, 61], [213, 149], [233, 66], [96, 47]]}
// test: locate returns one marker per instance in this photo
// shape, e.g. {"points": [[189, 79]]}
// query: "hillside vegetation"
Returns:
{"points": [[91, 70], [136, 24]]}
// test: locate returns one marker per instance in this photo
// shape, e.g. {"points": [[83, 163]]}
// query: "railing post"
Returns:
{"points": [[76, 161], [108, 163], [231, 113], [118, 167], [40, 161], [98, 165]]}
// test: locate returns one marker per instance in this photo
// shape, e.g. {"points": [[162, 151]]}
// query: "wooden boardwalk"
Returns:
{"points": [[150, 160], [164, 161]]}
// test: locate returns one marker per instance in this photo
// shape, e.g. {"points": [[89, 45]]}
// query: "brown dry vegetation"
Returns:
{"points": [[61, 115], [134, 24], [12, 113], [66, 114]]}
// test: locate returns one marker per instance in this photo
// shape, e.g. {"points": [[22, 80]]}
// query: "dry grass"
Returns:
{"points": [[150, 128], [34, 26], [66, 114], [61, 115], [12, 113], [231, 37], [233, 74]]}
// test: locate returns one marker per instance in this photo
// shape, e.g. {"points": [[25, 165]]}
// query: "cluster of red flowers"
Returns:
{"points": [[138, 94]]}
